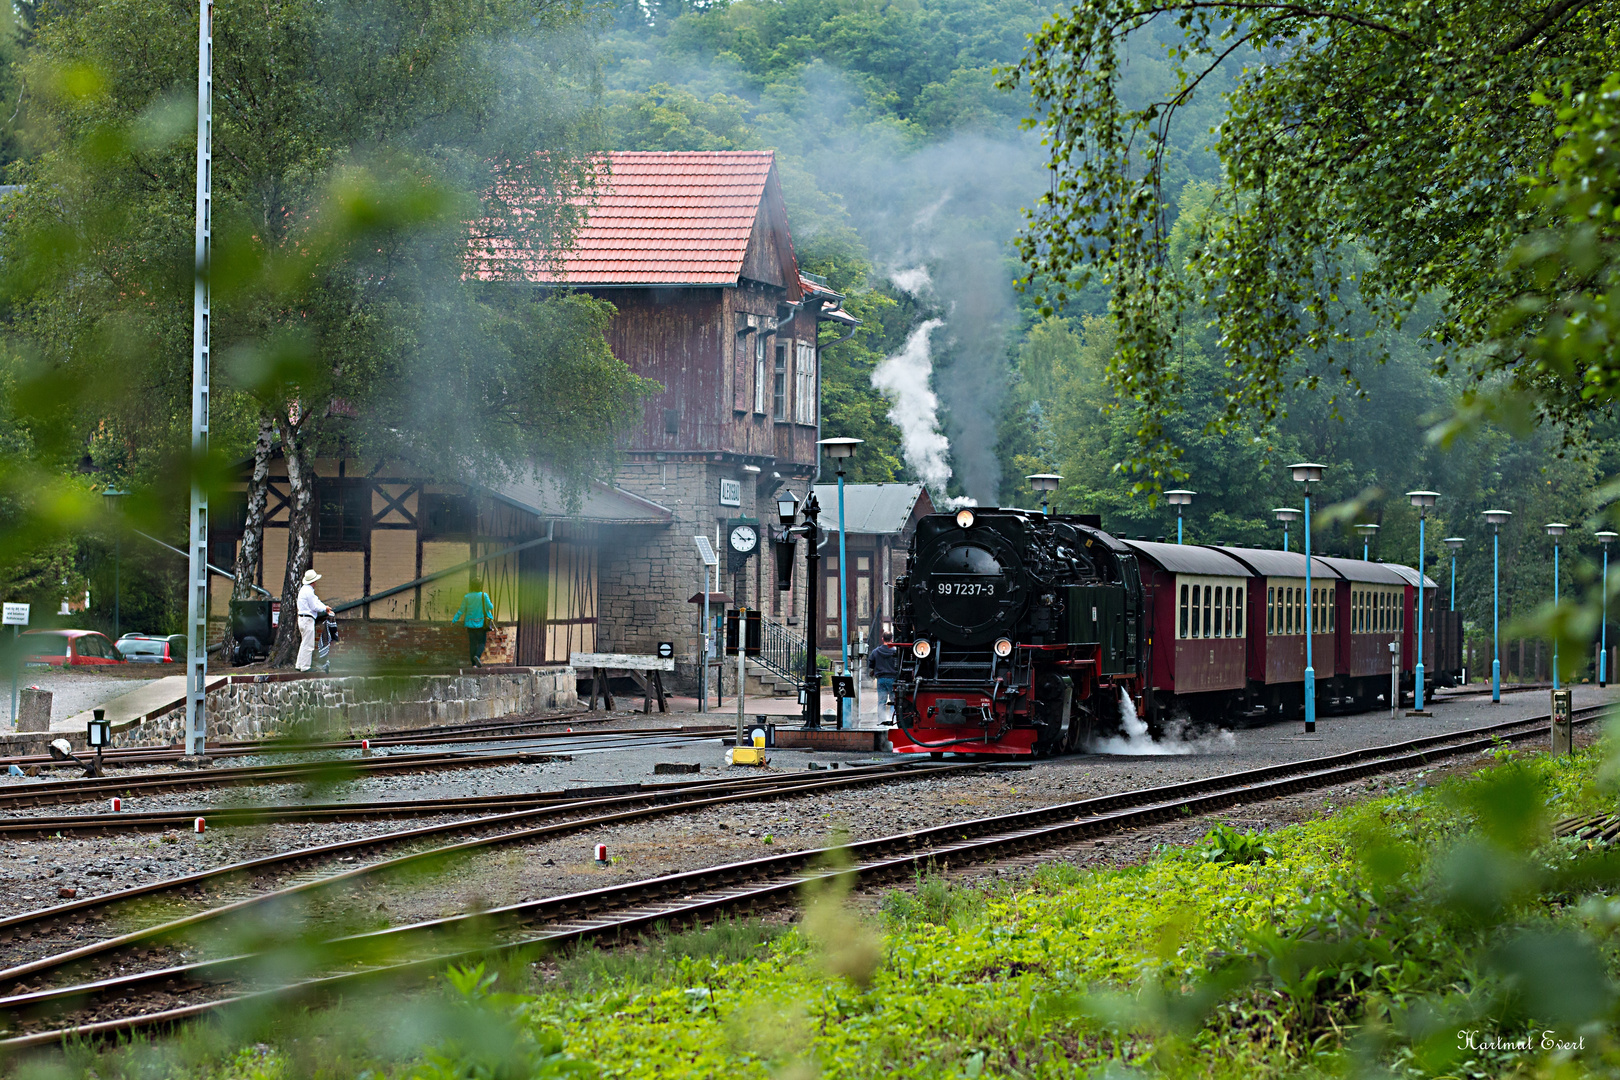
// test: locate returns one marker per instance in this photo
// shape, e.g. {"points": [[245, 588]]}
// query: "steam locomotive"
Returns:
{"points": [[1027, 634]]}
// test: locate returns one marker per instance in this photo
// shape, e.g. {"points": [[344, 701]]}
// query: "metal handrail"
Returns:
{"points": [[781, 651]]}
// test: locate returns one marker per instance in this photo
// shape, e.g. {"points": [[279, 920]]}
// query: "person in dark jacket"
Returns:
{"points": [[883, 664]]}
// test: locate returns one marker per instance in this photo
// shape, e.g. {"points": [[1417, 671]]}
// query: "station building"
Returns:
{"points": [[694, 250]]}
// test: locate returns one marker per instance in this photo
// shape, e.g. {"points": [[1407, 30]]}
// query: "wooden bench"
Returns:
{"points": [[647, 671]]}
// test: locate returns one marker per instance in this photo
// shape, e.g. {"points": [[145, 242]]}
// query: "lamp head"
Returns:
{"points": [[1367, 530], [838, 449], [1044, 481], [1285, 514], [1179, 497], [1454, 542], [1306, 471], [1605, 536], [787, 507], [1556, 528], [1423, 499], [1497, 517]]}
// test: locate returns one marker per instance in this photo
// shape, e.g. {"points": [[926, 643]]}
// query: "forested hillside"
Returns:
{"points": [[907, 172]]}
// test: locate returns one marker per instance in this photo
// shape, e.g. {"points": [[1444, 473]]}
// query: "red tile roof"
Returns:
{"points": [[679, 218]]}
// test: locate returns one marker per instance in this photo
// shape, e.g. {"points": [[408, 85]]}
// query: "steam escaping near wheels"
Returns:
{"points": [[1136, 741]]}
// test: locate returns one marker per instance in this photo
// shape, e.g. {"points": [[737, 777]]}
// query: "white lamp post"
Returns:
{"points": [[840, 450], [1285, 514], [1045, 483], [1423, 500], [1179, 498], [1555, 529], [1308, 473], [1367, 533], [1603, 634], [1496, 519]]}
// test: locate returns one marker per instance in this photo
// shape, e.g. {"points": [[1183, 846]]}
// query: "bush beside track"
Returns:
{"points": [[1377, 931]]}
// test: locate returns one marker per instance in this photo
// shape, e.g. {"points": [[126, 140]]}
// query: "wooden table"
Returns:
{"points": [[647, 671]]}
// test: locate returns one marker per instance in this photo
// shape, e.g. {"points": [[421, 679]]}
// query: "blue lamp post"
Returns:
{"points": [[1179, 498], [1285, 514], [1045, 483], [1307, 473], [1423, 500], [1496, 519], [1603, 655], [840, 450], [1367, 533], [1454, 542], [1555, 529]]}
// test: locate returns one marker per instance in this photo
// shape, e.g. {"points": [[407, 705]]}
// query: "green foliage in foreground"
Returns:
{"points": [[1376, 938]]}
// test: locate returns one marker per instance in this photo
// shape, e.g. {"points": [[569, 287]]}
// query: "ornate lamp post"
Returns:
{"points": [[1367, 533], [1496, 519], [1555, 529], [1045, 483], [840, 450], [787, 508], [1423, 500], [1179, 498], [1603, 656], [1308, 473], [1286, 514]]}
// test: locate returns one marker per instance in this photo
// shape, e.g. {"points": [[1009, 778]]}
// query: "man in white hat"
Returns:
{"points": [[310, 608]]}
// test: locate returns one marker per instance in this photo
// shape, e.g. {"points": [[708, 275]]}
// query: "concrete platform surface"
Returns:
{"points": [[149, 700]]}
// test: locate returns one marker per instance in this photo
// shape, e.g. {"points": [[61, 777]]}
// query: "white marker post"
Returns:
{"points": [[16, 617], [711, 561]]}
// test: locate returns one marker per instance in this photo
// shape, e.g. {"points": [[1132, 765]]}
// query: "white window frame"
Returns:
{"points": [[761, 354]]}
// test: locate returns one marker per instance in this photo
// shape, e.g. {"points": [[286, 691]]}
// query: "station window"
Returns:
{"points": [[779, 384], [1183, 611]]}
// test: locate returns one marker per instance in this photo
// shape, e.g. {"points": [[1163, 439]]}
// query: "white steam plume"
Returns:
{"points": [[903, 378]]}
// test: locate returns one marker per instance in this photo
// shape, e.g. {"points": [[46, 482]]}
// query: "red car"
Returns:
{"points": [[75, 648]]}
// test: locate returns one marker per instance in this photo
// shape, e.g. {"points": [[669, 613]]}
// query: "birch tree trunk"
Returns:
{"points": [[252, 547], [300, 536]]}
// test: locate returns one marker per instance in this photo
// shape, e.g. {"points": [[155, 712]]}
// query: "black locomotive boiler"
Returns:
{"points": [[1019, 633]]}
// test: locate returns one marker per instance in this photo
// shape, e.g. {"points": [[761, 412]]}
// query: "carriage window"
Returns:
{"points": [[1209, 608], [1229, 611], [1183, 611], [1285, 623], [1299, 610], [1197, 606], [1239, 623], [1271, 610]]}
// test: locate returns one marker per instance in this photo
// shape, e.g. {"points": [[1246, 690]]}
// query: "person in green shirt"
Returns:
{"points": [[477, 612]]}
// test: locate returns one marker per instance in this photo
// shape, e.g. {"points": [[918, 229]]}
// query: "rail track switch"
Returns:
{"points": [[1563, 728]]}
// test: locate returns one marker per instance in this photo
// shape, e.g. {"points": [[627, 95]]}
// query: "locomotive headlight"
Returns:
{"points": [[1003, 647], [964, 519], [920, 649]]}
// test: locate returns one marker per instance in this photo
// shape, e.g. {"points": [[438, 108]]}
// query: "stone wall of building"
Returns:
{"points": [[257, 707], [645, 580]]}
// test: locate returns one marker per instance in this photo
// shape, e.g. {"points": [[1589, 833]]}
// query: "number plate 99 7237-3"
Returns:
{"points": [[965, 588]]}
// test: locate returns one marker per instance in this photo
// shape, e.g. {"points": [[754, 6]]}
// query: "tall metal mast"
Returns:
{"points": [[197, 574]]}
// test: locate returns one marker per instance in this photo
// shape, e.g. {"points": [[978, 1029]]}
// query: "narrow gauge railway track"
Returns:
{"points": [[58, 791], [601, 807], [416, 951], [504, 732]]}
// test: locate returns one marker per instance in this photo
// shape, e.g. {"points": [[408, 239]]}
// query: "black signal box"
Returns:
{"points": [[753, 631], [843, 686]]}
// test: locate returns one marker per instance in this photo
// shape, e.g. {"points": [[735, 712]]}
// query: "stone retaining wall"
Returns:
{"points": [[265, 706]]}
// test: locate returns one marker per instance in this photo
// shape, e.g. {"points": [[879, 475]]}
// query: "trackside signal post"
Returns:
{"points": [[1563, 731], [787, 512], [744, 638]]}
